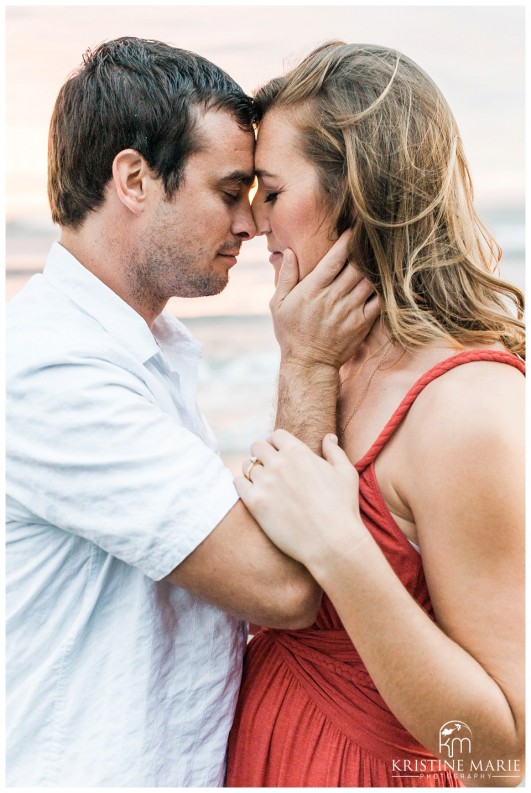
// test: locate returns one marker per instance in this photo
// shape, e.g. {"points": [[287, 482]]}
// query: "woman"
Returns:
{"points": [[416, 658]]}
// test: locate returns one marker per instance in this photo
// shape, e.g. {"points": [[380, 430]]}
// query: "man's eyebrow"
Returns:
{"points": [[246, 177]]}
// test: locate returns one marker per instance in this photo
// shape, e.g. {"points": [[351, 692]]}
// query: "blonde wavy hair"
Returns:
{"points": [[391, 164]]}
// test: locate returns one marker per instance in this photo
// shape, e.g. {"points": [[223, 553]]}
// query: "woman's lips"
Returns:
{"points": [[276, 257]]}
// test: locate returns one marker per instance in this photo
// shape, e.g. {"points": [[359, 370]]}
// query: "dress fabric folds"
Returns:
{"points": [[309, 714]]}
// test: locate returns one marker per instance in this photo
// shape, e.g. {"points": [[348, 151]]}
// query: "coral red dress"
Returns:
{"points": [[309, 714]]}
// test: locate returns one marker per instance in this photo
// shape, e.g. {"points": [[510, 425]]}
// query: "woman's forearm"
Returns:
{"points": [[425, 677]]}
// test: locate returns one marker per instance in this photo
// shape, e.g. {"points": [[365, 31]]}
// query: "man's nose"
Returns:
{"points": [[244, 225]]}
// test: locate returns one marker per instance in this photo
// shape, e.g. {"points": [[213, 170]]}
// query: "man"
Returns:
{"points": [[131, 564]]}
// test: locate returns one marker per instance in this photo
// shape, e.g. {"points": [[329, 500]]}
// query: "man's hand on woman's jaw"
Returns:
{"points": [[321, 320]]}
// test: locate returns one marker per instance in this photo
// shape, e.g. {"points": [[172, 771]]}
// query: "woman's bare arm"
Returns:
{"points": [[464, 485]]}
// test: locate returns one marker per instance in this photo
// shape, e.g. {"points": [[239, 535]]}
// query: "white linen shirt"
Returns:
{"points": [[115, 677]]}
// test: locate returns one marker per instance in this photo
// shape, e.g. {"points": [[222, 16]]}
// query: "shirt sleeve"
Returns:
{"points": [[91, 452]]}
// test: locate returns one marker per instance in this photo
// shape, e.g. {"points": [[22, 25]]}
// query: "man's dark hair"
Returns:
{"points": [[138, 94]]}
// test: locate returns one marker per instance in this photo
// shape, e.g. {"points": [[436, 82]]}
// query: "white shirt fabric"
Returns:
{"points": [[114, 676]]}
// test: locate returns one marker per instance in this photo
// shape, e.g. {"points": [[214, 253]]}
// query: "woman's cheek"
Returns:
{"points": [[309, 258], [317, 250]]}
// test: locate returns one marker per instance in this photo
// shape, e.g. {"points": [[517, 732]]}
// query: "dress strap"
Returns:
{"points": [[467, 356]]}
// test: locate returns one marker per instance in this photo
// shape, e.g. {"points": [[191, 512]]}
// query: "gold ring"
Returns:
{"points": [[252, 462]]}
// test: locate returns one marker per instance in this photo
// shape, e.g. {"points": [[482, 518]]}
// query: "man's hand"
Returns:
{"points": [[322, 319]]}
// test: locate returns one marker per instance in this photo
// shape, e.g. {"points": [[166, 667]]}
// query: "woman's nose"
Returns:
{"points": [[260, 215]]}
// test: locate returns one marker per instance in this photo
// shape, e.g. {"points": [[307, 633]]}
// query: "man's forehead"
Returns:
{"points": [[226, 147], [219, 124]]}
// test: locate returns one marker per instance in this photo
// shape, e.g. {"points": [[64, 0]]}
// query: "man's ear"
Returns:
{"points": [[131, 176]]}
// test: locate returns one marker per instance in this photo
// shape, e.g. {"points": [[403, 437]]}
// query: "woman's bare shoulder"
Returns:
{"points": [[468, 421], [472, 397]]}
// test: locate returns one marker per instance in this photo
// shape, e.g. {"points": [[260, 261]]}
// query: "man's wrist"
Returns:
{"points": [[309, 367], [314, 385], [307, 398]]}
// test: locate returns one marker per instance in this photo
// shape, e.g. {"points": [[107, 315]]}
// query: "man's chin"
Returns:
{"points": [[205, 287]]}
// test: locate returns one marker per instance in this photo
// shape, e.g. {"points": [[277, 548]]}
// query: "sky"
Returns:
{"points": [[474, 53]]}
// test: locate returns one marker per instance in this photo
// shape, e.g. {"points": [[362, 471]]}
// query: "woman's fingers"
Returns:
{"points": [[251, 467], [263, 450], [243, 488], [281, 444], [279, 439], [261, 453], [304, 503], [334, 454]]}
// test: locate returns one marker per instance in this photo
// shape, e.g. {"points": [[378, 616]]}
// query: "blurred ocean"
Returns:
{"points": [[483, 81], [240, 363]]}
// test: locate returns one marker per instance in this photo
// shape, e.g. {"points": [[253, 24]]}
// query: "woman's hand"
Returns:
{"points": [[323, 319], [307, 505]]}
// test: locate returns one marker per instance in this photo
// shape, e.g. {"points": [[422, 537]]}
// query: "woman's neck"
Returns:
{"points": [[375, 343]]}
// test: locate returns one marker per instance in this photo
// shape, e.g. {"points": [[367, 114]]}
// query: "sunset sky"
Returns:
{"points": [[474, 53]]}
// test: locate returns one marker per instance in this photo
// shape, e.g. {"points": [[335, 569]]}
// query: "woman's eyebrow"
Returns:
{"points": [[260, 172]]}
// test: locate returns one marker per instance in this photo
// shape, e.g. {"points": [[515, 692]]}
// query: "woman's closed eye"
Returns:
{"points": [[269, 197]]}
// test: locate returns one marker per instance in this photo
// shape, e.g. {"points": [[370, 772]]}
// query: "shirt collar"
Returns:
{"points": [[121, 321]]}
